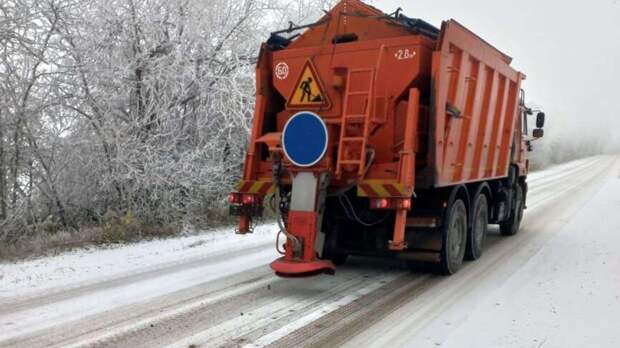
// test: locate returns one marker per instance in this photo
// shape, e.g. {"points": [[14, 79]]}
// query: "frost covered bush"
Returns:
{"points": [[137, 107], [567, 147]]}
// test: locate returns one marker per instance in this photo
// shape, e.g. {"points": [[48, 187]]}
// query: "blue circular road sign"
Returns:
{"points": [[304, 139]]}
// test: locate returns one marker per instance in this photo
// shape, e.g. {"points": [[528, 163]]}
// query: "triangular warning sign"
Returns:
{"points": [[308, 90]]}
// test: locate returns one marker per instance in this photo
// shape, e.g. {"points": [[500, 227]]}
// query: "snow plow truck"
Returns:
{"points": [[380, 134]]}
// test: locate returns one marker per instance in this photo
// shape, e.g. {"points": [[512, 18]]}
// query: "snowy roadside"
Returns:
{"points": [[85, 265]]}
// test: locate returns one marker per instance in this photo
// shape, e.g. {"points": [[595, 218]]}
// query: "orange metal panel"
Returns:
{"points": [[508, 129], [467, 119], [474, 95], [483, 117], [476, 120], [457, 71], [488, 131], [496, 126]]}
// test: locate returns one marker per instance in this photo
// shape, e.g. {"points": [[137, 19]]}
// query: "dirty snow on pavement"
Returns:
{"points": [[85, 265], [568, 295], [561, 290], [555, 284]]}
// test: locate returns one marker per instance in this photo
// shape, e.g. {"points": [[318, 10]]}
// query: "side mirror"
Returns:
{"points": [[538, 132], [540, 120]]}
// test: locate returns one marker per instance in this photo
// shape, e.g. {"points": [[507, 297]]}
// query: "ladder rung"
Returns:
{"points": [[355, 116], [354, 120], [353, 139], [349, 121]]}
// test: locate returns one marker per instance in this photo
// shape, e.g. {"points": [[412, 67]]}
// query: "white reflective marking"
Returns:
{"points": [[281, 70]]}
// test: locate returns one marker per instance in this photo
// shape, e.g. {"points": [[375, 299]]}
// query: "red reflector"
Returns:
{"points": [[381, 203], [248, 199], [390, 203], [234, 198], [405, 203]]}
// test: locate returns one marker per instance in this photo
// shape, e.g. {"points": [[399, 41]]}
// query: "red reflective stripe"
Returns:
{"points": [[392, 190], [264, 188], [369, 191], [247, 186]]}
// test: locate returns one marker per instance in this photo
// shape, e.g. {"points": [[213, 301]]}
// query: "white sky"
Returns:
{"points": [[569, 50]]}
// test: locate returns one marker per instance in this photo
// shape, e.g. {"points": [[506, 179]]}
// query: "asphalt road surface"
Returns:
{"points": [[555, 284]]}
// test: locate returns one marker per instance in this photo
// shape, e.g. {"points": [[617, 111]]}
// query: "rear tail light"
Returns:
{"points": [[243, 198], [390, 203], [381, 203], [249, 199], [405, 203], [234, 198]]}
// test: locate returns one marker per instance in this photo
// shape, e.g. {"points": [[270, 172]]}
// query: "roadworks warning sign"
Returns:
{"points": [[308, 92]]}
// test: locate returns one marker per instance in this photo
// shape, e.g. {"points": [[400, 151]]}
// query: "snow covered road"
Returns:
{"points": [[555, 284]]}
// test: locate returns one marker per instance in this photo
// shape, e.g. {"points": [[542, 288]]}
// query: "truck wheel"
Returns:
{"points": [[454, 238], [478, 232], [511, 226]]}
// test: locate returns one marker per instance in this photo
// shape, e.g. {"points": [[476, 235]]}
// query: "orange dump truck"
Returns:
{"points": [[377, 134]]}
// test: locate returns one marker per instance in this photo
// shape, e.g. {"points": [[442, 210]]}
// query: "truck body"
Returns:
{"points": [[378, 134]]}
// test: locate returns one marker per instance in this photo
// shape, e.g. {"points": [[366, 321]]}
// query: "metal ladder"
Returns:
{"points": [[352, 145]]}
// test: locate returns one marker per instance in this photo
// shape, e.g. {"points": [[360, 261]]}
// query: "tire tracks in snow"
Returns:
{"points": [[502, 259], [436, 294], [254, 308]]}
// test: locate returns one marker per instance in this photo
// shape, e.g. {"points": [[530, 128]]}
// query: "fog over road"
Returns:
{"points": [[555, 284]]}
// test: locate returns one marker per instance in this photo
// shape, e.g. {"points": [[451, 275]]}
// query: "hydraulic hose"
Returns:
{"points": [[277, 175]]}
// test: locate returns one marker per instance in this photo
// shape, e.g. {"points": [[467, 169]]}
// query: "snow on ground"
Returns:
{"points": [[85, 265], [560, 168], [558, 287], [555, 284], [568, 295]]}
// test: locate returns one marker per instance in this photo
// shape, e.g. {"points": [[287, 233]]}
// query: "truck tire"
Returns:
{"points": [[454, 238], [511, 226], [476, 235]]}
